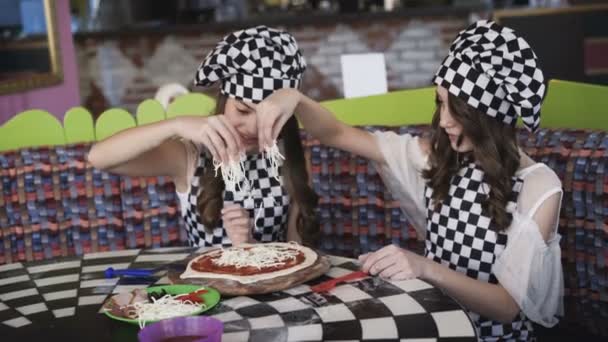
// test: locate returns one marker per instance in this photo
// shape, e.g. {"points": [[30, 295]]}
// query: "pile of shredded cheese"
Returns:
{"points": [[165, 307], [255, 256]]}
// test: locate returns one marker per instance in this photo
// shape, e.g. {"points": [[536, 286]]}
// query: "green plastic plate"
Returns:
{"points": [[212, 297]]}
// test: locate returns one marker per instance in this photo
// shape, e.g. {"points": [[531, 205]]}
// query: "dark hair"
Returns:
{"points": [[495, 151], [295, 177]]}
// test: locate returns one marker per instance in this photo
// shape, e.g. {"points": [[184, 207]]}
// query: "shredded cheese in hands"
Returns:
{"points": [[273, 157], [234, 173], [255, 256]]}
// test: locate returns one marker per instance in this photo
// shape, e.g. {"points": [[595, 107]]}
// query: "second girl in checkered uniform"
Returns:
{"points": [[249, 65], [489, 213]]}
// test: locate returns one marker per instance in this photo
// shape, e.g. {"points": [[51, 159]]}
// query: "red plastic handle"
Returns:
{"points": [[330, 284]]}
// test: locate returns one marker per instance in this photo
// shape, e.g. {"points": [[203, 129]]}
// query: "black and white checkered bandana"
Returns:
{"points": [[253, 63], [495, 71]]}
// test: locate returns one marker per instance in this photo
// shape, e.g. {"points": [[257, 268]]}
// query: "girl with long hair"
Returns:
{"points": [[249, 65], [488, 213]]}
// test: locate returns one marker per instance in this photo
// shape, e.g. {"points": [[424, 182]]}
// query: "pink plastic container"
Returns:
{"points": [[183, 329]]}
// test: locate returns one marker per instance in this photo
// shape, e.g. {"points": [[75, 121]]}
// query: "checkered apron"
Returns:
{"points": [[458, 235], [269, 202]]}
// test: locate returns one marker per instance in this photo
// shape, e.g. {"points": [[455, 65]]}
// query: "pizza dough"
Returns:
{"points": [[249, 256], [264, 283]]}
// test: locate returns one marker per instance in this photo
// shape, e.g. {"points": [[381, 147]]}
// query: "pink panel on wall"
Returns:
{"points": [[56, 99]]}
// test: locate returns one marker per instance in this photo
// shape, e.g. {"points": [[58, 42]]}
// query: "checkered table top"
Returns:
{"points": [[45, 299]]}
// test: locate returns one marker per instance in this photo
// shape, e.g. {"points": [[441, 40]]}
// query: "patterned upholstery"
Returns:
{"points": [[357, 213], [52, 203]]}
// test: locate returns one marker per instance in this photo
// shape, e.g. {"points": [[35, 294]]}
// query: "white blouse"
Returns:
{"points": [[193, 153], [529, 268]]}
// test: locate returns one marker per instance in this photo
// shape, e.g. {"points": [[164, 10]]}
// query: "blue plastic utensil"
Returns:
{"points": [[135, 272]]}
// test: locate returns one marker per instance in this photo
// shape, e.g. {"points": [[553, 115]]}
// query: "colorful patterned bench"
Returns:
{"points": [[54, 204]]}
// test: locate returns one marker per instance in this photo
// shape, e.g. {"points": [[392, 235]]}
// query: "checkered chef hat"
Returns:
{"points": [[253, 63], [495, 71]]}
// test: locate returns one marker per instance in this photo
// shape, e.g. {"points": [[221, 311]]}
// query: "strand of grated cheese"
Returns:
{"points": [[272, 155], [256, 256], [234, 173]]}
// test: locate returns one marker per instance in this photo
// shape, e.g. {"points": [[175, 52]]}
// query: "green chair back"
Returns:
{"points": [[78, 126], [149, 111], [112, 121], [567, 105], [31, 128], [575, 105], [191, 104], [404, 107]]}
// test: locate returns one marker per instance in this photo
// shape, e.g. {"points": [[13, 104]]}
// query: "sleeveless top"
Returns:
{"points": [[268, 204], [459, 236]]}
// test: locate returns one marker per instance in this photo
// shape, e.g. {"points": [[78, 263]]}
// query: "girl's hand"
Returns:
{"points": [[214, 132], [394, 263], [273, 113], [237, 224]]}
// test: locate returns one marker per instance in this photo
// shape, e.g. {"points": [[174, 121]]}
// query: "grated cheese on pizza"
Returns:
{"points": [[251, 263], [256, 256]]}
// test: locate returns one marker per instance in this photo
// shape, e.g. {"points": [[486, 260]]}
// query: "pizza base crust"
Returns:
{"points": [[310, 257], [233, 288]]}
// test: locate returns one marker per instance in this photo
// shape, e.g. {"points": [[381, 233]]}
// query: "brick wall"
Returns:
{"points": [[122, 71]]}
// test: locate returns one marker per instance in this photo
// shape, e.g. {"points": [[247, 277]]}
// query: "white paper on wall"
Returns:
{"points": [[363, 74]]}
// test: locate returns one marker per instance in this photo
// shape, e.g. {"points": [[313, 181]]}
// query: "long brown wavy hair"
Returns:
{"points": [[295, 177], [495, 151]]}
